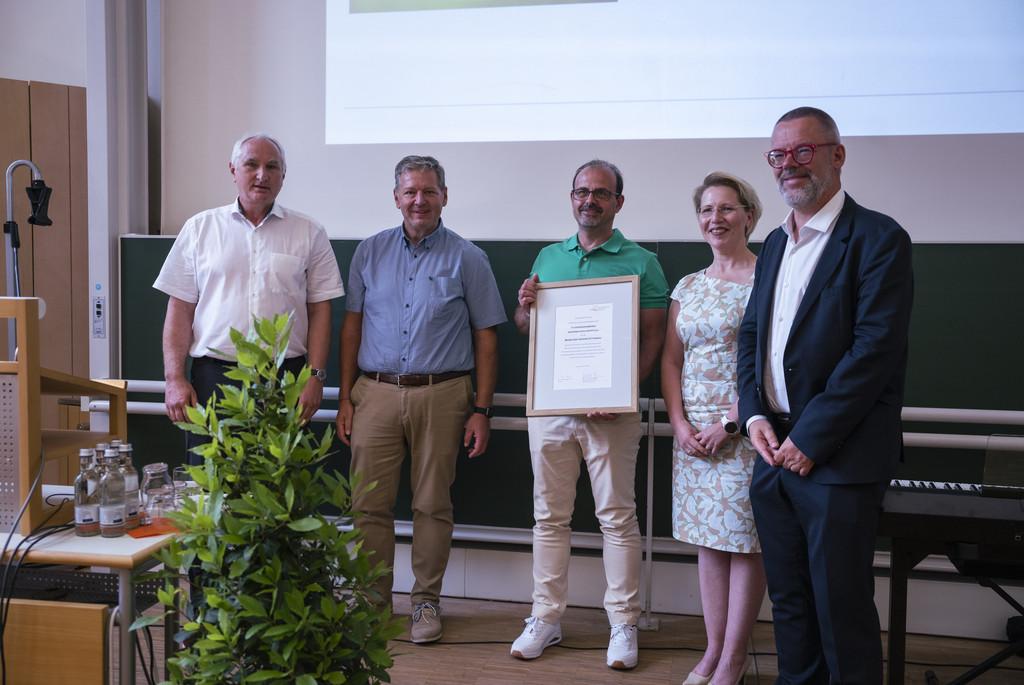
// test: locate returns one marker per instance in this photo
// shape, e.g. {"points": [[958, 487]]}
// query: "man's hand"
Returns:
{"points": [[762, 435], [525, 298], [528, 292], [601, 416], [790, 457], [712, 438], [343, 422], [478, 433], [310, 398], [178, 394]]}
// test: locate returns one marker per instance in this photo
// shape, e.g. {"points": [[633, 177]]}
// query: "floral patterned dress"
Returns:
{"points": [[710, 496]]}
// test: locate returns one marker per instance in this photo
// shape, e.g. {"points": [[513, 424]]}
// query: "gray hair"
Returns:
{"points": [[601, 164], [744, 192], [236, 149], [419, 163], [819, 115]]}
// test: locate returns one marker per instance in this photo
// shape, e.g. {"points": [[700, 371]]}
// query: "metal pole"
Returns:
{"points": [[126, 614], [648, 622]]}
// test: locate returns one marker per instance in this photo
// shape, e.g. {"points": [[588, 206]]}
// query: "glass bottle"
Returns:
{"points": [[131, 486], [87, 496], [97, 460], [112, 509], [156, 484]]}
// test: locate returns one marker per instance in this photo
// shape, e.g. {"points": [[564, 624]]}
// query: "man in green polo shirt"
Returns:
{"points": [[606, 443]]}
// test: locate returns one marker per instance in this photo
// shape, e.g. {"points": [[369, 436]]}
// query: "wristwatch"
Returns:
{"points": [[730, 426], [319, 374], [486, 411]]}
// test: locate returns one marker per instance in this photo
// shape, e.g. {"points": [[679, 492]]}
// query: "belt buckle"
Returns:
{"points": [[398, 380]]}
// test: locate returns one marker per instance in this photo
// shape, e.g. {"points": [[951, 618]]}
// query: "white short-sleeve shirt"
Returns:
{"points": [[234, 271]]}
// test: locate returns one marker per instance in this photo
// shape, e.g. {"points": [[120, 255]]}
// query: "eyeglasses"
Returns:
{"points": [[708, 211], [602, 194], [802, 154]]}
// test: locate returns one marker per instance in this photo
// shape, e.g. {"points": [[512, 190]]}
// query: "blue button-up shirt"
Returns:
{"points": [[421, 302]]}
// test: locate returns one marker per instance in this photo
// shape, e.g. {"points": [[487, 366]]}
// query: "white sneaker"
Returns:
{"points": [[622, 650], [537, 636]]}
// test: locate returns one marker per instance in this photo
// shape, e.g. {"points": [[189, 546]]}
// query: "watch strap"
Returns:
{"points": [[486, 411]]}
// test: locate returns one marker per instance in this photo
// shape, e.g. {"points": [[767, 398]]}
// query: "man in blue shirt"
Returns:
{"points": [[422, 311]]}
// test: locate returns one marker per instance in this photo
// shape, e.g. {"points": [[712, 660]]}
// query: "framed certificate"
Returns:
{"points": [[584, 346]]}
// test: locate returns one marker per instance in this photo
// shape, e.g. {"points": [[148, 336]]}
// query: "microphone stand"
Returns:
{"points": [[39, 198]]}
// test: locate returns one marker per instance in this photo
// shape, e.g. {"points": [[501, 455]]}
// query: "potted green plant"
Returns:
{"points": [[286, 595]]}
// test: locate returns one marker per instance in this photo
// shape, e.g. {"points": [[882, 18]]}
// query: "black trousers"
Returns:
{"points": [[818, 543], [208, 373]]}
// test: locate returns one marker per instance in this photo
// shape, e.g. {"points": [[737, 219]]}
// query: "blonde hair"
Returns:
{"points": [[744, 191]]}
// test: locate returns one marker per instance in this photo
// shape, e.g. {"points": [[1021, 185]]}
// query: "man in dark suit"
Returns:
{"points": [[822, 359]]}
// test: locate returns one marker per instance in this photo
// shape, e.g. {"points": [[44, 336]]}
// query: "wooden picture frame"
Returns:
{"points": [[584, 344]]}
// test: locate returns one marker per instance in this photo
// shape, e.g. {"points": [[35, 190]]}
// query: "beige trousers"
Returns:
{"points": [[427, 422], [557, 446]]}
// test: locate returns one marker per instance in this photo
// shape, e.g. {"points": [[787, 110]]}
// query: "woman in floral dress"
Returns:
{"points": [[712, 462]]}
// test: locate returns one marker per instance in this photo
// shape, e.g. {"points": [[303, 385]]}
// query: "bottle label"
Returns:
{"points": [[132, 509], [87, 513], [112, 515], [131, 481]]}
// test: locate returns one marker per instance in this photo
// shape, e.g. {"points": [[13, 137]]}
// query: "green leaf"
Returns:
{"points": [[306, 680], [252, 605], [143, 621], [306, 524], [278, 631], [238, 568], [263, 676]]}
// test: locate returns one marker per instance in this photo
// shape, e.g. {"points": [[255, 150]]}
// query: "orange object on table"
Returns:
{"points": [[160, 526]]}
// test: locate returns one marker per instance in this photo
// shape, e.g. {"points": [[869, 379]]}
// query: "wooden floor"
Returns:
{"points": [[478, 634]]}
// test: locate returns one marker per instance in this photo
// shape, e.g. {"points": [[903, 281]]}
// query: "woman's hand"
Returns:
{"points": [[686, 438], [713, 438]]}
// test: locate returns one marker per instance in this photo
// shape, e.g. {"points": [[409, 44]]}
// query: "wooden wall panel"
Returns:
{"points": [[48, 103], [78, 194], [14, 144], [52, 244]]}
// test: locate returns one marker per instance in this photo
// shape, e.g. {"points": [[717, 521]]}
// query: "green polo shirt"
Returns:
{"points": [[566, 261]]}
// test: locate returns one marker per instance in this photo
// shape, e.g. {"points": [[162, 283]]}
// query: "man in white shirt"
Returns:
{"points": [[822, 360], [251, 258]]}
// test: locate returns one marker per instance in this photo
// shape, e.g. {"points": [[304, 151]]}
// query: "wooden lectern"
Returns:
{"points": [[24, 445]]}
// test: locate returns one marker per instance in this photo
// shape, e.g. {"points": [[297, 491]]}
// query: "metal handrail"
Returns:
{"points": [[654, 429]]}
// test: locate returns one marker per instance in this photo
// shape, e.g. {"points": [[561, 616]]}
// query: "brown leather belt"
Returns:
{"points": [[413, 379]]}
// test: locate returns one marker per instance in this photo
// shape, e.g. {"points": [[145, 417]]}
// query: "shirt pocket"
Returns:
{"points": [[285, 274], [447, 295]]}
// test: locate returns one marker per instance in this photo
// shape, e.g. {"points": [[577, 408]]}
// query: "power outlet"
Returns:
{"points": [[99, 317]]}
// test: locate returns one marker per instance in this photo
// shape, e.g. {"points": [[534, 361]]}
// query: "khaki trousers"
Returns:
{"points": [[557, 446], [427, 422]]}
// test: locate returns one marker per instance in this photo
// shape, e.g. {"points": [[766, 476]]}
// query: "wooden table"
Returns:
{"points": [[125, 556]]}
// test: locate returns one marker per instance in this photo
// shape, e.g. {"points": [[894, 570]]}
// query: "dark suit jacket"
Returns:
{"points": [[846, 356]]}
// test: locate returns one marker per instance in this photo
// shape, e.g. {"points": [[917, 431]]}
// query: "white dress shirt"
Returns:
{"points": [[234, 271], [798, 263]]}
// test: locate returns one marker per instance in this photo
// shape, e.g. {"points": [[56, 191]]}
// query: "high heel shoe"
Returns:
{"points": [[694, 678]]}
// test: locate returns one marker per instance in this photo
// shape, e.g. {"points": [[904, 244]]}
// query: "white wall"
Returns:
{"points": [[43, 40], [240, 65]]}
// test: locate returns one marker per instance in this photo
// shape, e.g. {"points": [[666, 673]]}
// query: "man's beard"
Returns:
{"points": [[804, 196]]}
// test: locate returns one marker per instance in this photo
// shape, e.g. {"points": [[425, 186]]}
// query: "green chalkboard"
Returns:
{"points": [[966, 350]]}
